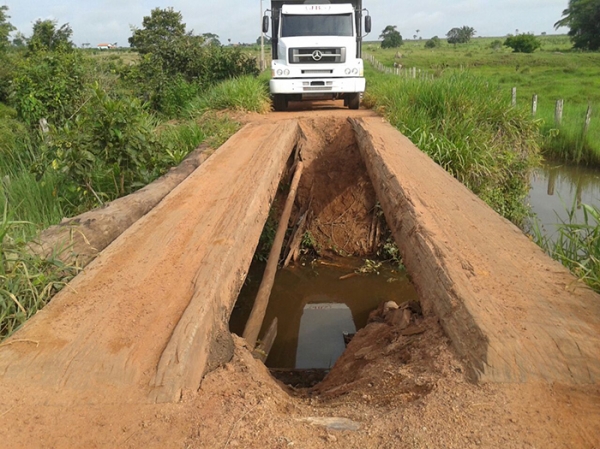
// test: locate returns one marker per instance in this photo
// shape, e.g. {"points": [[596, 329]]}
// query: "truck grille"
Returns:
{"points": [[317, 55]]}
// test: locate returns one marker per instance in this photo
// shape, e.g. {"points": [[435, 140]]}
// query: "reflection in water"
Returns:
{"points": [[296, 287], [555, 189], [321, 335]]}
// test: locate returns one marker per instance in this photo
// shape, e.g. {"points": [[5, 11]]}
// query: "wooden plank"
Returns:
{"points": [[513, 313], [149, 316]]}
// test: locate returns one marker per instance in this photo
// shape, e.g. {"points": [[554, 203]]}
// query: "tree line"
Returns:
{"points": [[582, 17]]}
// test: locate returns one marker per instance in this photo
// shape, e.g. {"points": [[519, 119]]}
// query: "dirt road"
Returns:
{"points": [[147, 319]]}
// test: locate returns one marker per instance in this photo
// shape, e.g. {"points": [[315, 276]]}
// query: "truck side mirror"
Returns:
{"points": [[265, 24], [367, 24]]}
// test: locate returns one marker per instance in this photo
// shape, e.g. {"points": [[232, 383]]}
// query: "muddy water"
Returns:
{"points": [[555, 188], [318, 285]]}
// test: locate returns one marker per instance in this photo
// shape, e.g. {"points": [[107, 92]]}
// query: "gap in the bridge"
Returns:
{"points": [[342, 276]]}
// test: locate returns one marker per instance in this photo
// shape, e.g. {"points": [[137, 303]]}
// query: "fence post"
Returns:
{"points": [[414, 72], [514, 96], [588, 119], [534, 104], [558, 112]]}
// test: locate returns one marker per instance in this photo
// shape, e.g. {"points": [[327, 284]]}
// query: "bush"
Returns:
{"points": [[49, 85], [167, 79], [523, 43], [496, 45], [107, 151], [434, 42]]}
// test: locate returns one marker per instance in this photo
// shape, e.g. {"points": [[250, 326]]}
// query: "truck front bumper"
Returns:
{"points": [[317, 85]]}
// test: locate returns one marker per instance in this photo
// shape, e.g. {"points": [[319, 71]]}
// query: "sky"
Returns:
{"points": [[110, 21]]}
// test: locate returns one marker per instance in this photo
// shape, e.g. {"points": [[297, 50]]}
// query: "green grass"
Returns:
{"points": [[246, 94], [554, 72], [487, 145], [577, 245], [27, 282]]}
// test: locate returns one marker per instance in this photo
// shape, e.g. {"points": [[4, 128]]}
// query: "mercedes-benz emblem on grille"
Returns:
{"points": [[317, 55]]}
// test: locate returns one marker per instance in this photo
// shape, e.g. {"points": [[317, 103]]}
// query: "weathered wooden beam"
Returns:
{"points": [[512, 312], [149, 316], [257, 315]]}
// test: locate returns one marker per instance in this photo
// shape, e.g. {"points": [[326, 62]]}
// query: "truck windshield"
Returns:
{"points": [[308, 25]]}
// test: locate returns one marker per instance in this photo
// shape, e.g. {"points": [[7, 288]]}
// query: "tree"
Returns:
{"points": [[159, 30], [5, 28], [460, 35], [211, 39], [391, 37], [19, 40], [583, 19], [267, 40], [434, 42], [47, 37], [523, 43]]}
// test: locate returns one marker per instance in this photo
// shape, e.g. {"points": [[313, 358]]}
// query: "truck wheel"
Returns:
{"points": [[353, 100], [280, 102]]}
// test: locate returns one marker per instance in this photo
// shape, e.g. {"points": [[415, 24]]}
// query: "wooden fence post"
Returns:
{"points": [[558, 112], [534, 105], [514, 96], [588, 119]]}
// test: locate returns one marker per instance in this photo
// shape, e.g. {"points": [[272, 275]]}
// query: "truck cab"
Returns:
{"points": [[316, 49]]}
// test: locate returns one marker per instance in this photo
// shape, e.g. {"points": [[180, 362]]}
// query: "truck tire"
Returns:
{"points": [[280, 102], [353, 100]]}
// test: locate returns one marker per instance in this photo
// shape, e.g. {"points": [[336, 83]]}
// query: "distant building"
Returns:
{"points": [[106, 46]]}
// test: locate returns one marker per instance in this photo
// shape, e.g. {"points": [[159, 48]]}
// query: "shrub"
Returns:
{"points": [[49, 85], [434, 42], [523, 43], [106, 151]]}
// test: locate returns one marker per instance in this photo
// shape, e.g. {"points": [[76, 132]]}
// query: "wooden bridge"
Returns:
{"points": [[148, 318]]}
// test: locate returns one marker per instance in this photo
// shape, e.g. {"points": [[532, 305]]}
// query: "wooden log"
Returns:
{"points": [[264, 291], [296, 240], [512, 312], [261, 352], [149, 317], [78, 240]]}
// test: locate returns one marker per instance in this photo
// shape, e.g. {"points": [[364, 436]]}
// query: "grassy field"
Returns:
{"points": [[554, 72]]}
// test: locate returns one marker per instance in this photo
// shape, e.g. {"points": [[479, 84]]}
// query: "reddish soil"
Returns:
{"points": [[399, 391]]}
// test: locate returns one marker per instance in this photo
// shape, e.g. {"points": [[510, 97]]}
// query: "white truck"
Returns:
{"points": [[316, 50]]}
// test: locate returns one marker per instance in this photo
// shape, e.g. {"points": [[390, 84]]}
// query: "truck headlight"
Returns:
{"points": [[348, 71], [286, 72], [355, 71], [279, 72]]}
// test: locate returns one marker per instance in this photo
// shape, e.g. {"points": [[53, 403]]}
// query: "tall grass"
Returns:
{"points": [[180, 137], [569, 141], [576, 244], [247, 94], [462, 122], [27, 282]]}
